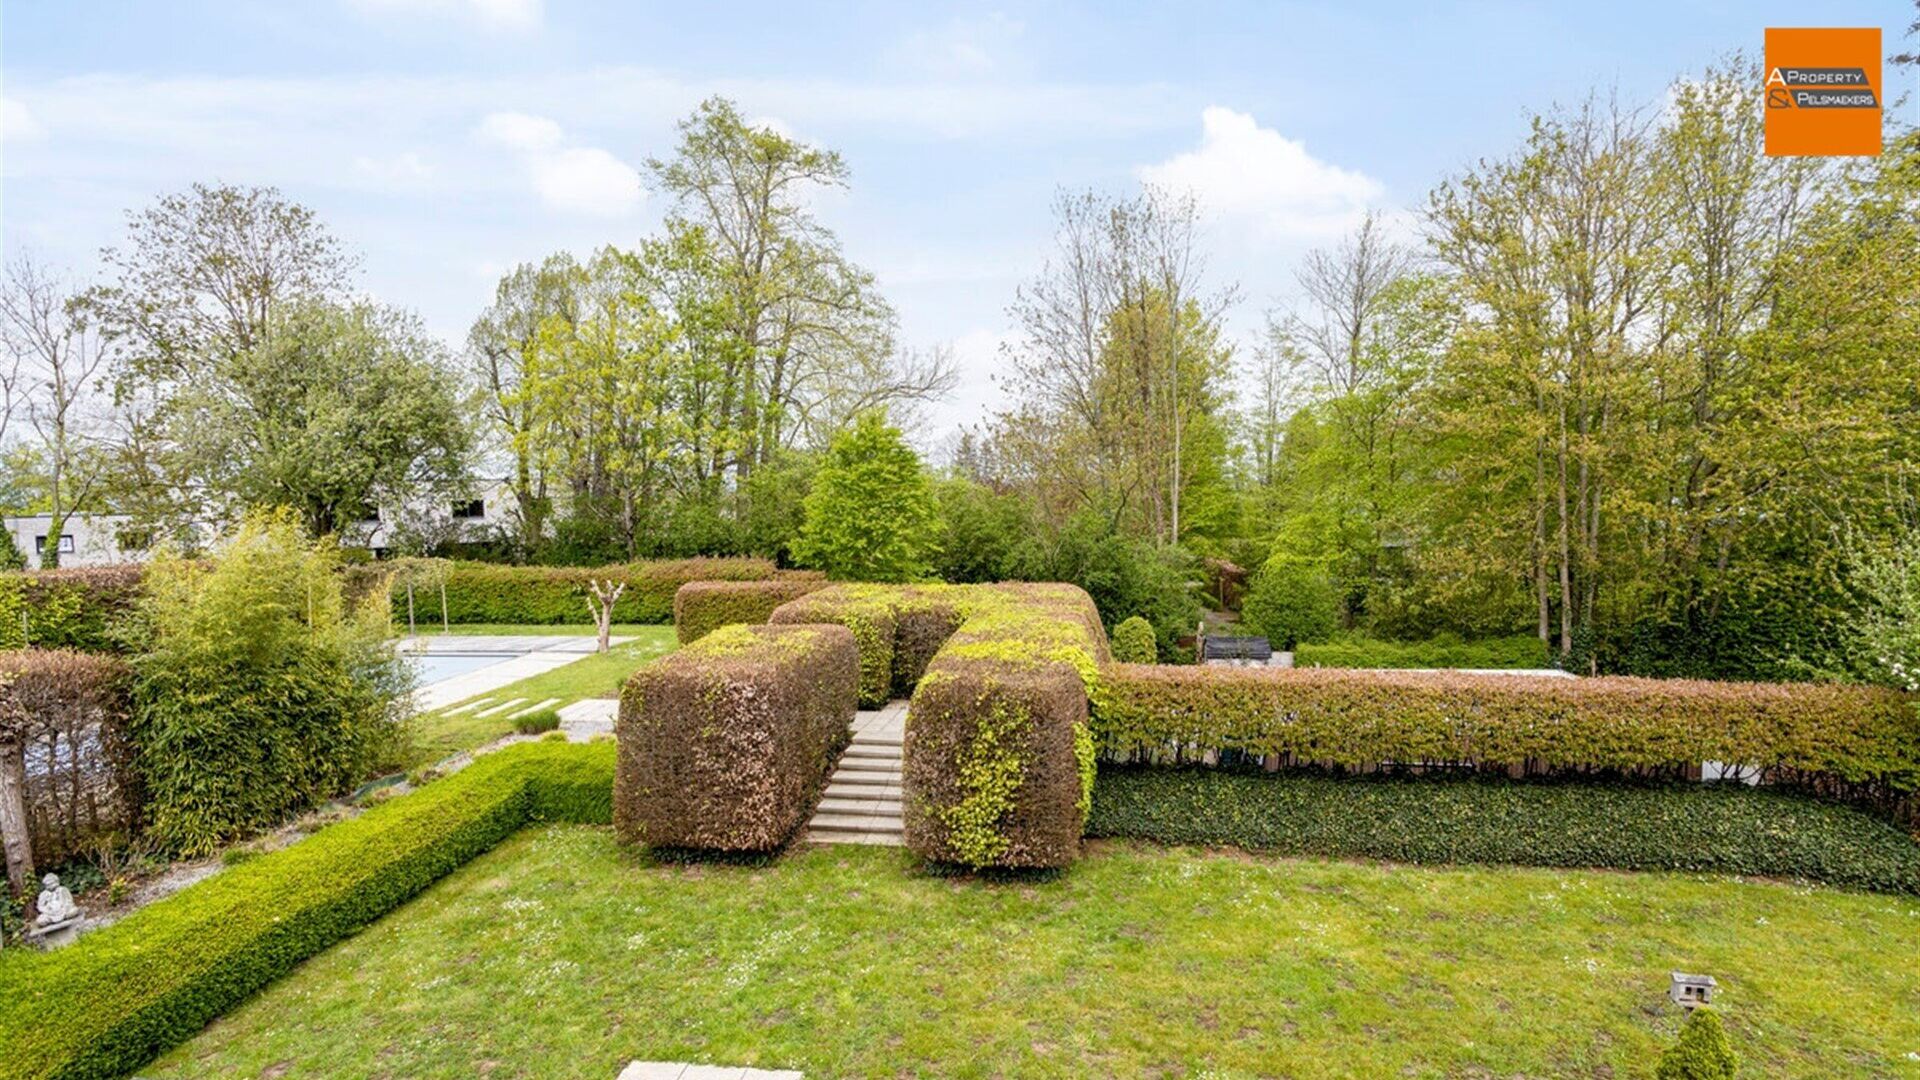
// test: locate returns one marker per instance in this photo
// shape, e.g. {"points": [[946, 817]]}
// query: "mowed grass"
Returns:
{"points": [[560, 955], [597, 675], [538, 629]]}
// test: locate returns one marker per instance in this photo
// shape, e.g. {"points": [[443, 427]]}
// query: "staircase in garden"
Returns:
{"points": [[862, 801]]}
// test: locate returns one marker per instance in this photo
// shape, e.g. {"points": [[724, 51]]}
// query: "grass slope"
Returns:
{"points": [[558, 955], [599, 675]]}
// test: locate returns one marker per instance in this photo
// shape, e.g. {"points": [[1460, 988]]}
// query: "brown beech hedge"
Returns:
{"points": [[998, 767], [70, 710], [726, 744], [1839, 736], [701, 607]]}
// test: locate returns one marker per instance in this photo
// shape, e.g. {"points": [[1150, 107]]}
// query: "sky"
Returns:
{"points": [[448, 140]]}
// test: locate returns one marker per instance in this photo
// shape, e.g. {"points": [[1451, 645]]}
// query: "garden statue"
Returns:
{"points": [[57, 921]]}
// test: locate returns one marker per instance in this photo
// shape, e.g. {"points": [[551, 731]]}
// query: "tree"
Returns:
{"points": [[1291, 600], [337, 410], [870, 515], [56, 357], [499, 348]]}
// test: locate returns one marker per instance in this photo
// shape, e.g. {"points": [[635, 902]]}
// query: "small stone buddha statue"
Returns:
{"points": [[55, 904]]}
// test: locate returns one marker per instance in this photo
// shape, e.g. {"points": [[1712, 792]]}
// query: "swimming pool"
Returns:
{"points": [[439, 667]]}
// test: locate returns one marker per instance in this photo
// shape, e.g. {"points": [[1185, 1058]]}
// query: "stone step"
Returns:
{"points": [[879, 839], [860, 806], [869, 765], [824, 822], [869, 777], [865, 738], [869, 751], [841, 790]]}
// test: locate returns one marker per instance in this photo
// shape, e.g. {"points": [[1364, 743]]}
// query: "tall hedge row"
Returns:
{"points": [[108, 1004], [89, 609], [550, 595], [726, 744], [700, 607], [998, 759]]}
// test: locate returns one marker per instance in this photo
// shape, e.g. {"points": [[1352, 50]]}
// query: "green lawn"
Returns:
{"points": [[559, 955], [437, 735], [547, 629]]}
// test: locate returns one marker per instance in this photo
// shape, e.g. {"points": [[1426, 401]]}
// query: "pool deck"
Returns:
{"points": [[521, 656]]}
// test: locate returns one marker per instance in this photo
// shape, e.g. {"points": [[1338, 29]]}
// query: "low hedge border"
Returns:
{"points": [[108, 1004], [549, 595], [1519, 651], [1720, 828], [726, 744], [701, 607]]}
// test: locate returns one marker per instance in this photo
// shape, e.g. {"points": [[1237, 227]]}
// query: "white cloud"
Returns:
{"points": [[405, 172], [578, 179], [519, 131], [962, 48], [16, 122], [494, 15], [1258, 176]]}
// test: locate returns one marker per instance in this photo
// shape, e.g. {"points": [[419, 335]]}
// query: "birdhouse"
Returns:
{"points": [[1691, 991]]}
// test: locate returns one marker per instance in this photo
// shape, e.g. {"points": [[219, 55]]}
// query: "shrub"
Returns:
{"points": [[870, 515], [72, 708], [700, 607], [549, 595], [108, 1004], [537, 722], [260, 694], [11, 557], [1850, 735], [727, 743], [1463, 818], [1125, 575], [998, 757], [1444, 651], [91, 609], [980, 531], [1703, 1052], [1291, 600], [1133, 642]]}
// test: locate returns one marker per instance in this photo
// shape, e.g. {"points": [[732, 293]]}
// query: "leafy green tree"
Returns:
{"points": [[870, 515], [1703, 1051], [10, 556], [981, 531], [1291, 600]]}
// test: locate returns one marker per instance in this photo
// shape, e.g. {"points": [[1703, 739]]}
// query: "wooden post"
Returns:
{"points": [[445, 626], [13, 817]]}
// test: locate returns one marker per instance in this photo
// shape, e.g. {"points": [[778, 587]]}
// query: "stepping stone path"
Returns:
{"points": [[679, 1070], [862, 801], [500, 708], [531, 709]]}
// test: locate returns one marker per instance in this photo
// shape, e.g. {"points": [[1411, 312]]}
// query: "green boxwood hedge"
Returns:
{"points": [[1722, 828], [112, 1001], [550, 595], [1519, 651]]}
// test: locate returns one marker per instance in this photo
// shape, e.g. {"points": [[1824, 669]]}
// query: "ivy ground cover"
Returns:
{"points": [[558, 955]]}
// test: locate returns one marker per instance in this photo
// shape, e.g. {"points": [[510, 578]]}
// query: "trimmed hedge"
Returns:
{"points": [[998, 756], [548, 595], [108, 1004], [1519, 651], [1721, 828], [86, 608], [1133, 642], [72, 709], [699, 607], [1863, 738], [726, 744]]}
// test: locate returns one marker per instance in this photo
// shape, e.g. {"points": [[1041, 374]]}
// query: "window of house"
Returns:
{"points": [[66, 544], [470, 508]]}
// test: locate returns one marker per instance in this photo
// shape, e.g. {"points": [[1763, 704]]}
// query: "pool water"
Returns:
{"points": [[439, 667]]}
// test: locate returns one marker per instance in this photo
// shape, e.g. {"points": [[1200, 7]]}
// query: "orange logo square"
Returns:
{"points": [[1823, 92]]}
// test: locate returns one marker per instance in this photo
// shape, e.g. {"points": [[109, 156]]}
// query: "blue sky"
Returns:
{"points": [[447, 140]]}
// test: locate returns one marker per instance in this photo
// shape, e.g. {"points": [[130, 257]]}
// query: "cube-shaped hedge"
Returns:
{"points": [[701, 607], [726, 744], [998, 764], [866, 610]]}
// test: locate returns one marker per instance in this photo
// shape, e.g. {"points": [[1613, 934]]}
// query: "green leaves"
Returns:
{"points": [[870, 515]]}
